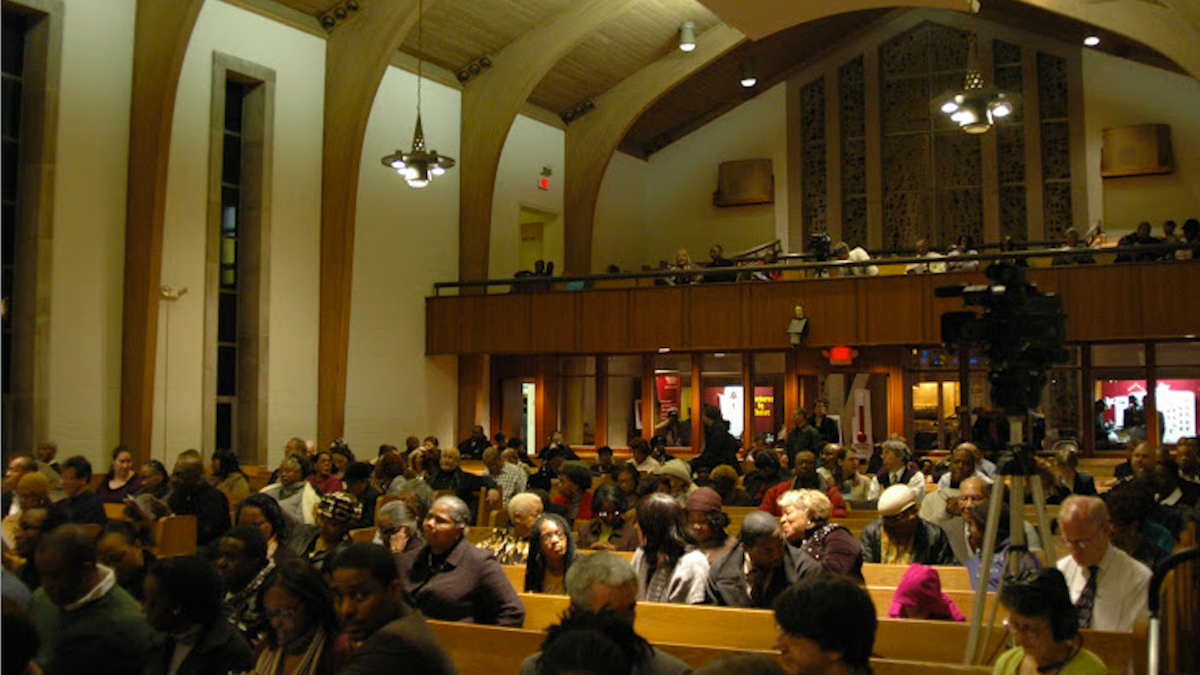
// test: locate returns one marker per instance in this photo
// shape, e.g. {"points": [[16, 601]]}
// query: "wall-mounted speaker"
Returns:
{"points": [[1139, 150], [748, 181]]}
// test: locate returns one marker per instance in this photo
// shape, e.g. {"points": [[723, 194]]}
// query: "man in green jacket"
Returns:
{"points": [[86, 622]]}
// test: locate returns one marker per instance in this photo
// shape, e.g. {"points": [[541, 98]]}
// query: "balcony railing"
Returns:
{"points": [[627, 313]]}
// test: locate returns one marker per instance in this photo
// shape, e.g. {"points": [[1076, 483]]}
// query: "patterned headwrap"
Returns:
{"points": [[340, 506]]}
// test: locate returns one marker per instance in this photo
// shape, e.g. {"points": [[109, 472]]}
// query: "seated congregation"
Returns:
{"points": [[807, 564]]}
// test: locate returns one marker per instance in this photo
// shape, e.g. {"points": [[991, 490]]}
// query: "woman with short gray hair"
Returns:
{"points": [[450, 579]]}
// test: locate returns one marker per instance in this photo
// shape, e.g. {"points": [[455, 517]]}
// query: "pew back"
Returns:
{"points": [[485, 650], [905, 639], [876, 575], [174, 535], [542, 610]]}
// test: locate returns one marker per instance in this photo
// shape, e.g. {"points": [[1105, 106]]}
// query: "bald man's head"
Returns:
{"points": [[189, 470]]}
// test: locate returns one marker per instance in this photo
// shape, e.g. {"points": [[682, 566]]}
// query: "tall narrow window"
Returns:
{"points": [[238, 256], [227, 290], [29, 74], [13, 48]]}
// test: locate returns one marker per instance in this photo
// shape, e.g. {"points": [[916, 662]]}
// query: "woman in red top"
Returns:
{"points": [[574, 481], [323, 479]]}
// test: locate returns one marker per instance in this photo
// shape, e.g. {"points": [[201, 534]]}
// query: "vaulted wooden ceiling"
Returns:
{"points": [[456, 33]]}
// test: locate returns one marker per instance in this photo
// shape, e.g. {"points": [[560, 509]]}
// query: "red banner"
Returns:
{"points": [[667, 387]]}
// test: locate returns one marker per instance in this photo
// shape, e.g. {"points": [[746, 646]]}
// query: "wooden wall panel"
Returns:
{"points": [[554, 324], [443, 323], [714, 317], [1099, 304], [510, 311], [893, 312], [772, 306], [1170, 296], [831, 306], [604, 324], [1102, 302], [656, 318]]}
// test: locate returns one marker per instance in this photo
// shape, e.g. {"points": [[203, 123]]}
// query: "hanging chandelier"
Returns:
{"points": [[975, 107], [419, 166]]}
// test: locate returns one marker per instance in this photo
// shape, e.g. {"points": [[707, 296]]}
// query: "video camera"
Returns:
{"points": [[1021, 330], [820, 244]]}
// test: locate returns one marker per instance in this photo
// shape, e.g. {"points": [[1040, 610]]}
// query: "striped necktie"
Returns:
{"points": [[1087, 599]]}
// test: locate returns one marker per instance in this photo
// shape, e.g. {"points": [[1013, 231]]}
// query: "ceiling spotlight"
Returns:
{"points": [[747, 70], [687, 36], [1092, 38]]}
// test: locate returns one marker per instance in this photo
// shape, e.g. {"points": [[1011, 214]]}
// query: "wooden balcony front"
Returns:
{"points": [[1125, 302]]}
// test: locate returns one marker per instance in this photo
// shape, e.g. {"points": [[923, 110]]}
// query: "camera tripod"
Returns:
{"points": [[1021, 469]]}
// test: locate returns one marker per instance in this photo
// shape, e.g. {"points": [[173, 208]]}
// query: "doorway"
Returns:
{"points": [[541, 238]]}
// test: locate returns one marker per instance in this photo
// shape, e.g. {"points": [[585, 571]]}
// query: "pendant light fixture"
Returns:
{"points": [[975, 107], [419, 166]]}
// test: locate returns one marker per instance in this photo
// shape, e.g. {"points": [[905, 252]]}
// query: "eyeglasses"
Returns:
{"points": [[1082, 544], [606, 514]]}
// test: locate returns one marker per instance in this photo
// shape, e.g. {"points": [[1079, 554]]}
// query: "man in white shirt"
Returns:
{"points": [[642, 461], [942, 505], [895, 454], [949, 480], [973, 496], [858, 254], [1109, 588]]}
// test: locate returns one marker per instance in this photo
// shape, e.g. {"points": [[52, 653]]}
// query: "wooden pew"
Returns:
{"points": [[486, 650], [876, 575], [867, 515], [257, 476], [906, 639], [542, 610], [174, 535], [114, 511], [954, 578]]}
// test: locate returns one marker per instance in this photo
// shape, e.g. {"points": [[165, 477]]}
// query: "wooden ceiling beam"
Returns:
{"points": [[491, 103], [760, 18], [356, 56], [592, 139], [1172, 27], [161, 34]]}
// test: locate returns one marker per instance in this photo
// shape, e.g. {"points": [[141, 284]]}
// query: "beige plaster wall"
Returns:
{"points": [[678, 184], [405, 240], [298, 60], [621, 216], [530, 146], [1118, 92], [88, 244]]}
